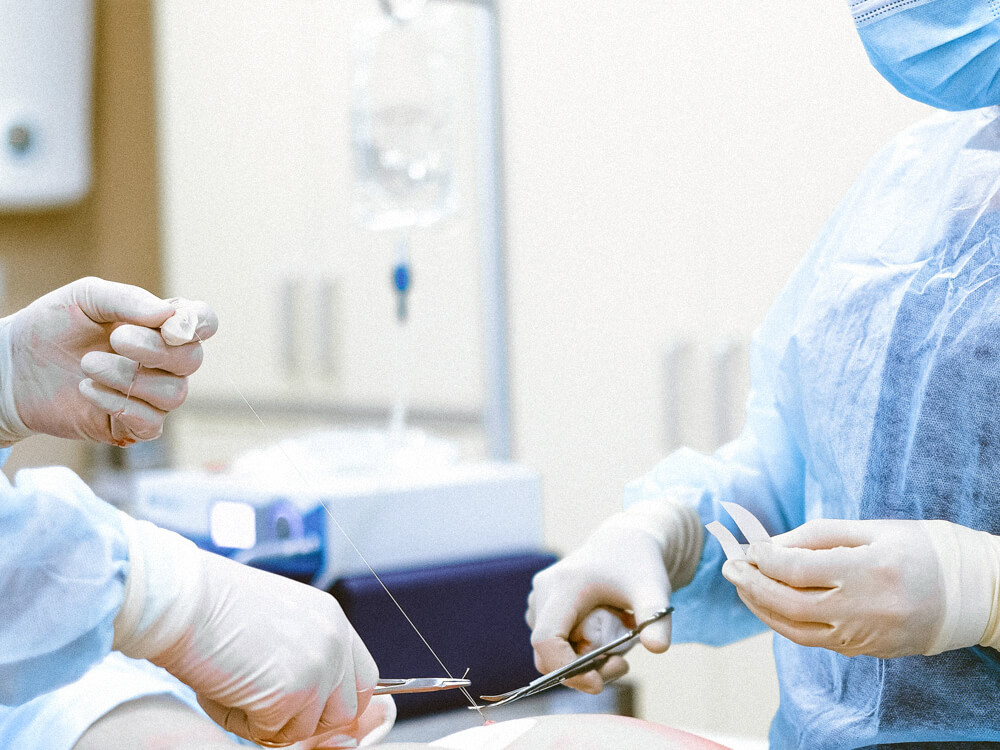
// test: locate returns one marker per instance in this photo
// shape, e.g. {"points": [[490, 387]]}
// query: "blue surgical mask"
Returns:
{"points": [[945, 53]]}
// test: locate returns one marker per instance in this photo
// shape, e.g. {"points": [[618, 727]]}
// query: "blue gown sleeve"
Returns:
{"points": [[63, 564], [762, 470]]}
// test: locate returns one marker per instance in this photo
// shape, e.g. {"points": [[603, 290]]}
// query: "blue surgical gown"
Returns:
{"points": [[63, 563], [875, 393]]}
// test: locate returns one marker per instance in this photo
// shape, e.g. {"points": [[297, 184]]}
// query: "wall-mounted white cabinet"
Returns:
{"points": [[46, 72]]}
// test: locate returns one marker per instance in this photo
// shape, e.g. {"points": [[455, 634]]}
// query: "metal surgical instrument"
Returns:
{"points": [[591, 660], [419, 685], [411, 685]]}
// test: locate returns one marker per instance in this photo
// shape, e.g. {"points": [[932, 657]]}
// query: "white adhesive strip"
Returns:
{"points": [[747, 523], [752, 529], [733, 549]]}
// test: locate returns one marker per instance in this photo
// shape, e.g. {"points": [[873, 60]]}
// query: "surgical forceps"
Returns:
{"points": [[591, 660], [419, 685]]}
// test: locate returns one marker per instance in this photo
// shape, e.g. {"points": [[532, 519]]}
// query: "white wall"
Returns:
{"points": [[666, 166]]}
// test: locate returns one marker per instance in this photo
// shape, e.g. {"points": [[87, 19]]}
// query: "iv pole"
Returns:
{"points": [[496, 417], [496, 409]]}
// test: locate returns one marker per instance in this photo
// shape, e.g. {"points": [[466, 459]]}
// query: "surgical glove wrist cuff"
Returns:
{"points": [[161, 592], [676, 527], [12, 428], [991, 567], [969, 565]]}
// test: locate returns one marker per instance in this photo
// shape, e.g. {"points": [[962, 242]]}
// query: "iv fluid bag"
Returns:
{"points": [[403, 120]]}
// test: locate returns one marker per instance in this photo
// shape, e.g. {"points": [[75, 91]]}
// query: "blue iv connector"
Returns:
{"points": [[401, 282]]}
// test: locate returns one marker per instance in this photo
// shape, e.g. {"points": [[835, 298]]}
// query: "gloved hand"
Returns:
{"points": [[88, 361], [628, 565], [879, 588], [270, 659], [371, 728]]}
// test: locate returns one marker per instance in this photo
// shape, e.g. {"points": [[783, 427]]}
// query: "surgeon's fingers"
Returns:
{"points": [[192, 320], [812, 634], [806, 568], [550, 640], [147, 347], [365, 673], [158, 388], [239, 722], [556, 619], [353, 692], [613, 669], [372, 726], [303, 723], [331, 733], [335, 740], [358, 691], [655, 637], [530, 612], [138, 419], [110, 302], [794, 604], [827, 533], [377, 719], [231, 719]]}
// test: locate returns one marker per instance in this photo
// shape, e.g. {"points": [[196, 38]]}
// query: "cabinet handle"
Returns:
{"points": [[288, 324]]}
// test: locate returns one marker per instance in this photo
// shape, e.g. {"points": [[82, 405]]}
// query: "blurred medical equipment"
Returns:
{"points": [[46, 54], [380, 492], [938, 52], [589, 661]]}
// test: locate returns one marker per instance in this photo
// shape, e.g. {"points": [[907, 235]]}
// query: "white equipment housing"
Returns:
{"points": [[456, 513]]}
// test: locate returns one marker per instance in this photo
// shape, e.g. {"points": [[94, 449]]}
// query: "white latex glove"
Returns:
{"points": [[98, 360], [368, 731], [879, 588], [270, 659], [626, 565]]}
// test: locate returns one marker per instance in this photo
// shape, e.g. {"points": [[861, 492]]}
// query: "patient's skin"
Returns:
{"points": [[157, 722], [164, 723], [576, 732]]}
